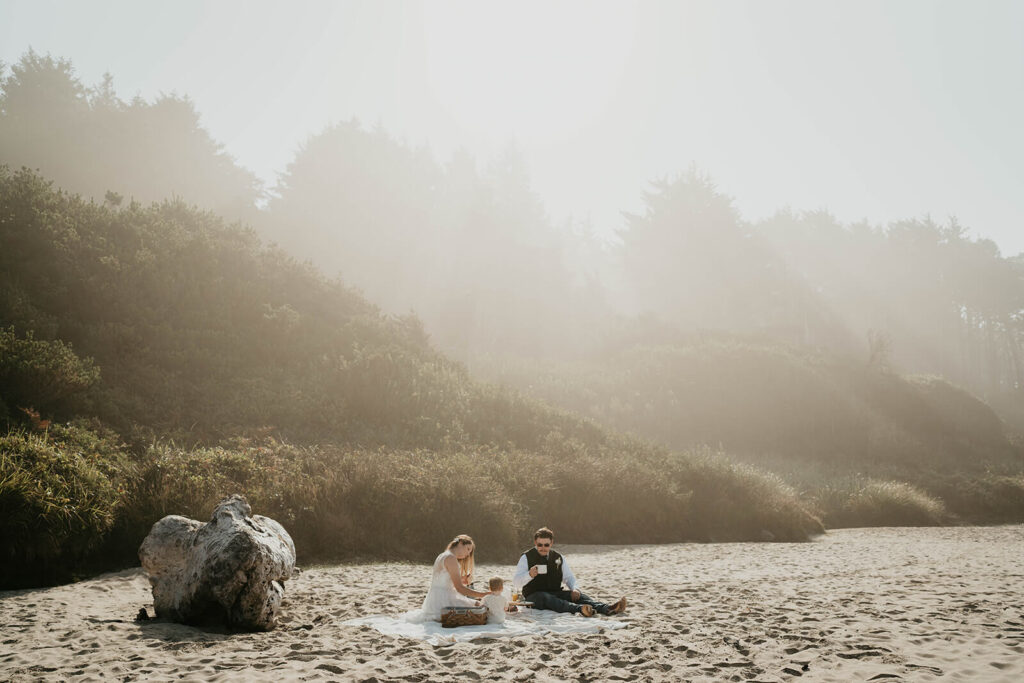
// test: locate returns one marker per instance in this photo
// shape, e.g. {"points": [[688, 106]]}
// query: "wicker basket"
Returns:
{"points": [[463, 616]]}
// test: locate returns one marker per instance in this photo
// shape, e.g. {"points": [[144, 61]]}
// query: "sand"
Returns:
{"points": [[862, 604]]}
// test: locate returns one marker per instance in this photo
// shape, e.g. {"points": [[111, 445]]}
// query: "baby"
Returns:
{"points": [[495, 601]]}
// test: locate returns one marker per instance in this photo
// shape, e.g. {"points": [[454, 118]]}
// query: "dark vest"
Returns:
{"points": [[550, 582]]}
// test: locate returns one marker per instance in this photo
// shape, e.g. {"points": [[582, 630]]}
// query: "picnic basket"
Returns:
{"points": [[463, 616]]}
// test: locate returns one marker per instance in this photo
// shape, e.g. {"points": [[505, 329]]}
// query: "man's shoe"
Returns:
{"points": [[586, 610], [619, 607]]}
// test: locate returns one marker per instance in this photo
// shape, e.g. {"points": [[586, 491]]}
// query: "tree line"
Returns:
{"points": [[471, 250]]}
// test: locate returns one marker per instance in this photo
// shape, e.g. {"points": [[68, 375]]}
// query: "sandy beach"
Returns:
{"points": [[861, 604]]}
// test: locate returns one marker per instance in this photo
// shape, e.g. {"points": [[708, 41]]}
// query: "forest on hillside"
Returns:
{"points": [[472, 251], [156, 353]]}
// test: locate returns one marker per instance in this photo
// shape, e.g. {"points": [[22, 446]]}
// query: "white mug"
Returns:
{"points": [[542, 569]]}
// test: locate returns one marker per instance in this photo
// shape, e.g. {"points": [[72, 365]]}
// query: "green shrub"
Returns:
{"points": [[37, 375], [885, 503], [736, 502], [991, 498], [60, 493]]}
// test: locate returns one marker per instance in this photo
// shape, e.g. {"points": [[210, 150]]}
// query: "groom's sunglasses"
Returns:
{"points": [[543, 545]]}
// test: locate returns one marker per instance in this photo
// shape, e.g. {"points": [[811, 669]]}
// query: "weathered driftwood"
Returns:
{"points": [[230, 570]]}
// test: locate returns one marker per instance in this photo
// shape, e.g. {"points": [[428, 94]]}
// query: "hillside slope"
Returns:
{"points": [[835, 428], [155, 359]]}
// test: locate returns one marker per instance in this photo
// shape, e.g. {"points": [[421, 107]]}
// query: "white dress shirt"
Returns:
{"points": [[522, 575]]}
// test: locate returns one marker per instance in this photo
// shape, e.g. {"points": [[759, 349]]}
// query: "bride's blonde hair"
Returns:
{"points": [[466, 564]]}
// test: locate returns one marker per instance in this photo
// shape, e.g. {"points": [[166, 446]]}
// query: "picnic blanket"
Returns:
{"points": [[526, 622]]}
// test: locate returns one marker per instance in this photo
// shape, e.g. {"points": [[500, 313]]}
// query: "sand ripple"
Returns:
{"points": [[864, 604]]}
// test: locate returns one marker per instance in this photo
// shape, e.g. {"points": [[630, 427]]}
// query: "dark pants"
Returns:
{"points": [[561, 601]]}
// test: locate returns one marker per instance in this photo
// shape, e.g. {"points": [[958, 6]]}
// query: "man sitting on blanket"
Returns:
{"points": [[539, 576]]}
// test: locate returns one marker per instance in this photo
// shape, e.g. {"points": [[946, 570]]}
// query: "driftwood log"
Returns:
{"points": [[230, 570]]}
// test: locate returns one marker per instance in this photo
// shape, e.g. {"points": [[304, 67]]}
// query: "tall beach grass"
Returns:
{"points": [[344, 503]]}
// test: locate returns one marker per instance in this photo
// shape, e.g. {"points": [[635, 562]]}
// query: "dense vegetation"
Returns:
{"points": [[154, 356], [864, 445], [208, 364]]}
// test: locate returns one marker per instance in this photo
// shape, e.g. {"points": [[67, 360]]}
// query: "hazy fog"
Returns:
{"points": [[872, 110], [560, 182]]}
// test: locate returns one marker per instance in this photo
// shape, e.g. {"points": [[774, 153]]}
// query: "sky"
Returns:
{"points": [[874, 111]]}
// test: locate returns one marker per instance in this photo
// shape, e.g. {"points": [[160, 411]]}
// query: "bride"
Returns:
{"points": [[453, 571]]}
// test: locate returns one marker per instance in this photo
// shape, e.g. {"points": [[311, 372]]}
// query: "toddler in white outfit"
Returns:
{"points": [[495, 602]]}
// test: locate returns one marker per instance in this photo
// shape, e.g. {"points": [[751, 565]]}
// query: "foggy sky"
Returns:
{"points": [[871, 110]]}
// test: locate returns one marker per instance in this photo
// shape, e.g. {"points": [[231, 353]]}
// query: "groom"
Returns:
{"points": [[539, 578]]}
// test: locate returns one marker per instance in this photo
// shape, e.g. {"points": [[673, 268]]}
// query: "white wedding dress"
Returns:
{"points": [[441, 594]]}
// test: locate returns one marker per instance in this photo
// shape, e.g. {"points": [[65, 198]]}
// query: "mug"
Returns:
{"points": [[542, 569]]}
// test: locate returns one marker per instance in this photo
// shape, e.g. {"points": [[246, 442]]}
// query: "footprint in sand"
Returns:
{"points": [[334, 669]]}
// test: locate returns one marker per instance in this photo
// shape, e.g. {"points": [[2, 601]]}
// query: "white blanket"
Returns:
{"points": [[523, 623]]}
